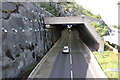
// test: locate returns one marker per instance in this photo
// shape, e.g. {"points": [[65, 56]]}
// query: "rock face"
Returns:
{"points": [[24, 37]]}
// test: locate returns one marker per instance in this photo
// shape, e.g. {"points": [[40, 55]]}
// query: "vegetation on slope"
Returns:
{"points": [[50, 8], [100, 30], [108, 61], [87, 12], [115, 26]]}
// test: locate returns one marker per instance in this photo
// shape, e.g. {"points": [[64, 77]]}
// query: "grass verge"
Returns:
{"points": [[108, 61]]}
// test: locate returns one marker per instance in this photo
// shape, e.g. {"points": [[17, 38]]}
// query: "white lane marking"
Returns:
{"points": [[90, 67], [70, 59], [71, 75]]}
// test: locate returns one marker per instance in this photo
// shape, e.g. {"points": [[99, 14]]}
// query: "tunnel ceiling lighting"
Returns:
{"points": [[35, 20], [69, 26], [47, 26]]}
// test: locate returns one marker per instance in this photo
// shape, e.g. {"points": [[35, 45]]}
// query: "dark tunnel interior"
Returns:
{"points": [[84, 34], [87, 37]]}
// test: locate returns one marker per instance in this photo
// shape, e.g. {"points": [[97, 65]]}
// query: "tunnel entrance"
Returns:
{"points": [[86, 32]]}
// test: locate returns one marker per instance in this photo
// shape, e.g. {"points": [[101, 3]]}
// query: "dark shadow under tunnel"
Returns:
{"points": [[84, 34], [87, 37]]}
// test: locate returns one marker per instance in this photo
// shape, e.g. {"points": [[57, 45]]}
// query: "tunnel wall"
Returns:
{"points": [[99, 40], [25, 40], [87, 38]]}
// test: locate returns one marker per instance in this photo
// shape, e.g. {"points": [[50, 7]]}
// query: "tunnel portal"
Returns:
{"points": [[86, 32]]}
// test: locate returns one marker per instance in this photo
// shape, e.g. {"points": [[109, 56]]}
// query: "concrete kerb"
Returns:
{"points": [[93, 61], [34, 72], [97, 66]]}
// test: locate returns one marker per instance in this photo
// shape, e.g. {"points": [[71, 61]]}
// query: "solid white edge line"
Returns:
{"points": [[71, 75], [70, 59]]}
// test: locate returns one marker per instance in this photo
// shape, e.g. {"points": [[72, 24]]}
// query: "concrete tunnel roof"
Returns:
{"points": [[63, 20], [75, 20]]}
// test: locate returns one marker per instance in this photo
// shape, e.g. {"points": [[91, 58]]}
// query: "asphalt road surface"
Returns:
{"points": [[74, 64]]}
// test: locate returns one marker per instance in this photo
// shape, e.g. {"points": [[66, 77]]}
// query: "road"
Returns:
{"points": [[74, 64]]}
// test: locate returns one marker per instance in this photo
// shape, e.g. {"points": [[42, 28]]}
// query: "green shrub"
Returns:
{"points": [[100, 30], [49, 7], [107, 46]]}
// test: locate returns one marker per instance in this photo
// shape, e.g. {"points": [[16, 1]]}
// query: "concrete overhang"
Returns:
{"points": [[63, 20], [82, 24]]}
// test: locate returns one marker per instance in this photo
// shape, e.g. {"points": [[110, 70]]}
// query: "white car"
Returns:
{"points": [[65, 49]]}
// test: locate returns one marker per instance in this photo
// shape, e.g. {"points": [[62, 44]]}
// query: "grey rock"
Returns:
{"points": [[26, 40], [5, 15], [7, 6]]}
